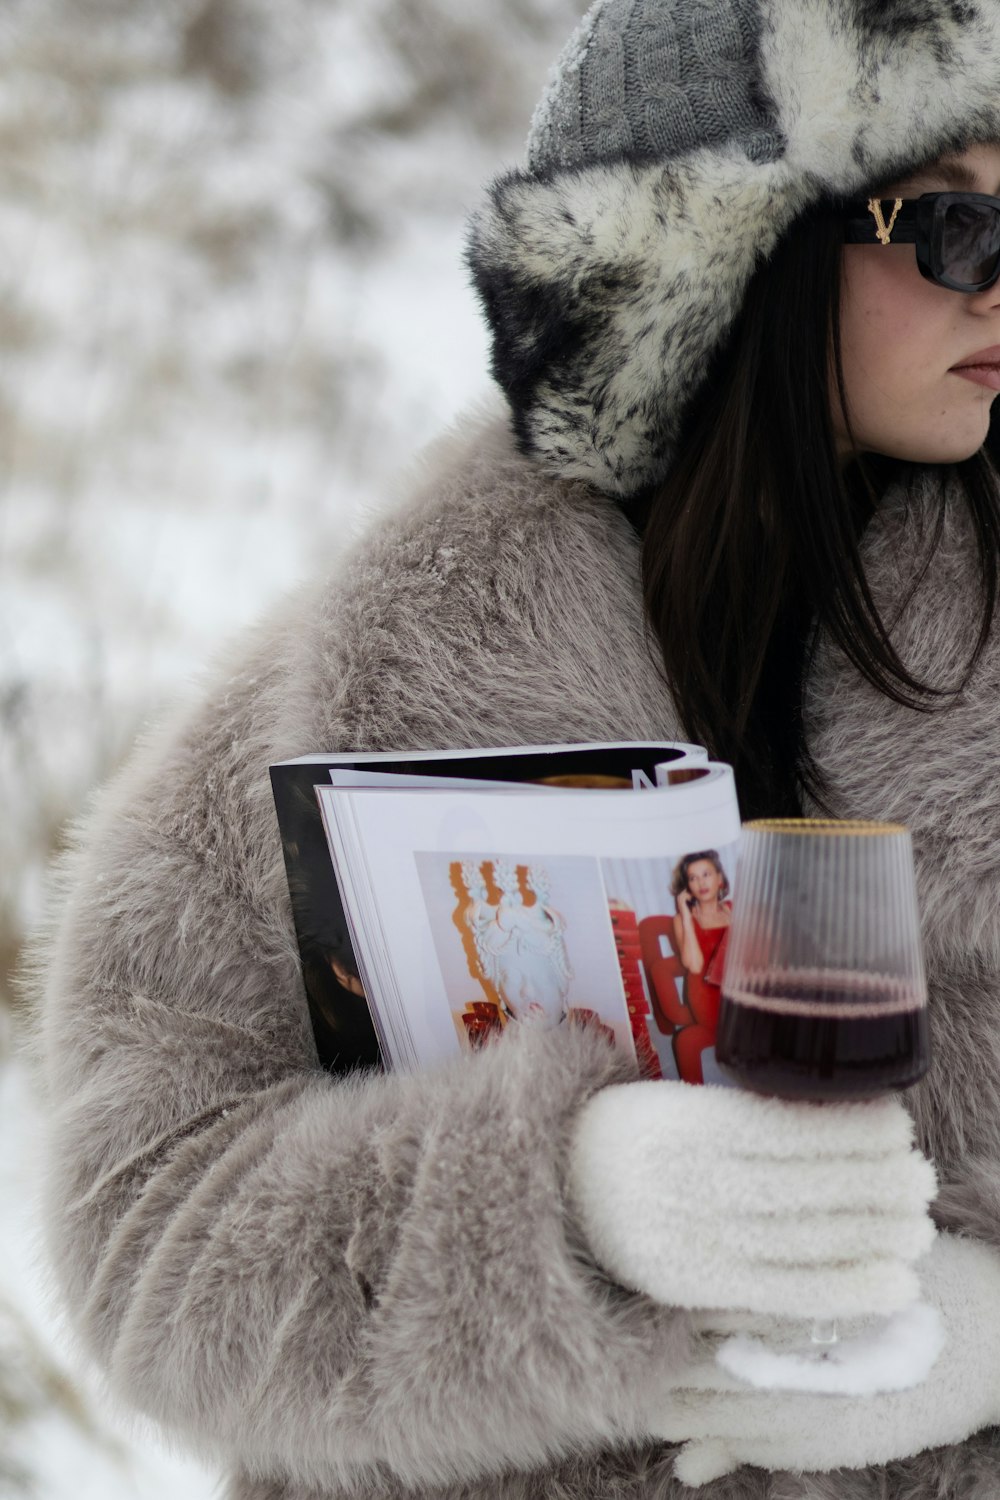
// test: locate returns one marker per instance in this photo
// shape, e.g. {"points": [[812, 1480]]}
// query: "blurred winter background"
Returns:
{"points": [[231, 306]]}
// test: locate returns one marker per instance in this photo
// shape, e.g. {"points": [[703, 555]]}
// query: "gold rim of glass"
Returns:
{"points": [[851, 826]]}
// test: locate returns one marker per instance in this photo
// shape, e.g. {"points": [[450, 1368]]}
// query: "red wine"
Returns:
{"points": [[823, 1037]]}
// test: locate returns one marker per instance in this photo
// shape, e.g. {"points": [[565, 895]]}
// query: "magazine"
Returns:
{"points": [[442, 896]]}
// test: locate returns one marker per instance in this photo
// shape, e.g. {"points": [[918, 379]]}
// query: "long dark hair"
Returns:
{"points": [[751, 547]]}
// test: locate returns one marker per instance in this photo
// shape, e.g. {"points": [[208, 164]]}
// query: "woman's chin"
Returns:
{"points": [[952, 447]]}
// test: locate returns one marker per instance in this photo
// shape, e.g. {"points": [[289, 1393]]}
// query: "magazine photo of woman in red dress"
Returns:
{"points": [[700, 887]]}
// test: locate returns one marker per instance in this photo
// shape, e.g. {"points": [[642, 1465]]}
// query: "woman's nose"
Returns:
{"points": [[986, 301]]}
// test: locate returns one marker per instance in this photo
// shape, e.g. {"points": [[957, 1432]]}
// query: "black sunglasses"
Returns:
{"points": [[957, 235]]}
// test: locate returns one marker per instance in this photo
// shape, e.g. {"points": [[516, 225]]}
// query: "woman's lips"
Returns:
{"points": [[988, 375], [982, 367]]}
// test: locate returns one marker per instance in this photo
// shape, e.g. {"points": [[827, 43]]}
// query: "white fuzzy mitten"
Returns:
{"points": [[724, 1423], [706, 1197]]}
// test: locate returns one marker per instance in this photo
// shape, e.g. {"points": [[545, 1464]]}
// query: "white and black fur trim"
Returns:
{"points": [[609, 286]]}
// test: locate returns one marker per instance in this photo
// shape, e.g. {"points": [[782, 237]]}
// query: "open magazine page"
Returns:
{"points": [[471, 910], [345, 1035]]}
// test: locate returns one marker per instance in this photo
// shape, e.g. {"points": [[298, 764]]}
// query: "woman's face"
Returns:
{"points": [[704, 881], [904, 339]]}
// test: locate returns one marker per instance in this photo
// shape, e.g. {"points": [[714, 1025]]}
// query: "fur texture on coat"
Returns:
{"points": [[375, 1285], [609, 281]]}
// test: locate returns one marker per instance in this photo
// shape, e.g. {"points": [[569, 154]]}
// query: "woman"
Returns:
{"points": [[762, 449], [700, 889], [701, 922]]}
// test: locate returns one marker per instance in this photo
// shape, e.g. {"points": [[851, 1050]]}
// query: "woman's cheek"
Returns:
{"points": [[890, 333]]}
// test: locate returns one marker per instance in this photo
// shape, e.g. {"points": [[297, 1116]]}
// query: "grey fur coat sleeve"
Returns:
{"points": [[315, 1279]]}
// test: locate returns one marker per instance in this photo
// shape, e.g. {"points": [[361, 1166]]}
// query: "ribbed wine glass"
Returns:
{"points": [[823, 994]]}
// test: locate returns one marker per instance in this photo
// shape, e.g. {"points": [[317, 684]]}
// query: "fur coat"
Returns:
{"points": [[349, 1287]]}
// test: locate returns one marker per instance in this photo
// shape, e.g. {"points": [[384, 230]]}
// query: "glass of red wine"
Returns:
{"points": [[824, 995], [823, 992]]}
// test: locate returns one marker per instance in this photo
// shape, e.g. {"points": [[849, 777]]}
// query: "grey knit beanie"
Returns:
{"points": [[676, 142], [644, 78]]}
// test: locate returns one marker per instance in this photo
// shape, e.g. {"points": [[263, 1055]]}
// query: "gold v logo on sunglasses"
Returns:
{"points": [[882, 229], [956, 235]]}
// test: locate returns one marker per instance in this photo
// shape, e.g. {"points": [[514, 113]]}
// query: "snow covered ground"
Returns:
{"points": [[231, 306]]}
